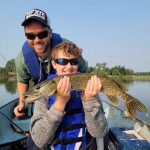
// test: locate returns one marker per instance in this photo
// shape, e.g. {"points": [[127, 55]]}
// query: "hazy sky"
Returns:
{"points": [[113, 31]]}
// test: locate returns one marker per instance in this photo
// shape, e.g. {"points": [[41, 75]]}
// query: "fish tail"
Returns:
{"points": [[133, 105]]}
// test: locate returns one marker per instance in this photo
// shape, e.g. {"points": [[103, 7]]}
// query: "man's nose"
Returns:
{"points": [[37, 39]]}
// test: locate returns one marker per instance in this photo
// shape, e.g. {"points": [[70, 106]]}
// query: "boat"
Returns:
{"points": [[124, 133], [13, 130]]}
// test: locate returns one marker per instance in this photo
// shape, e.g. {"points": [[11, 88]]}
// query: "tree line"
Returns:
{"points": [[9, 68], [102, 69], [99, 68]]}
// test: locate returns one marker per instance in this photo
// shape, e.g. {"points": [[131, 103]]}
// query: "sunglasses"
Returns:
{"points": [[40, 35], [63, 61]]}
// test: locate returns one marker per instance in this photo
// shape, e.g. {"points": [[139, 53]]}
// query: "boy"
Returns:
{"points": [[67, 121]]}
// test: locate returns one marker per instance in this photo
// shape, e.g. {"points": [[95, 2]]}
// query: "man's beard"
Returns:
{"points": [[47, 48]]}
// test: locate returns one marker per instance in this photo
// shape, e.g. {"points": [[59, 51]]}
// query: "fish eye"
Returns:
{"points": [[37, 87], [53, 81]]}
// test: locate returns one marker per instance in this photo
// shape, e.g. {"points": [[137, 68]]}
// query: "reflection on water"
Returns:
{"points": [[137, 88], [11, 86], [8, 89]]}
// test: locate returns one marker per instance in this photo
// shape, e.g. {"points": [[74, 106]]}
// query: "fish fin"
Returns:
{"points": [[121, 85], [113, 99], [131, 112], [133, 105]]}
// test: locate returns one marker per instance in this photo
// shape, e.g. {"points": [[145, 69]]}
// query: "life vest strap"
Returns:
{"points": [[74, 111], [70, 127], [66, 141]]}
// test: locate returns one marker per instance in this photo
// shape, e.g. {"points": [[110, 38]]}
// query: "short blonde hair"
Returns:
{"points": [[69, 48]]}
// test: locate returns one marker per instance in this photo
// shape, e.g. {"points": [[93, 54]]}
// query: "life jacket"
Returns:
{"points": [[71, 133], [32, 62]]}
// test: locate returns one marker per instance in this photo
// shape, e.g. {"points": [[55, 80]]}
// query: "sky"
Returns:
{"points": [[116, 32]]}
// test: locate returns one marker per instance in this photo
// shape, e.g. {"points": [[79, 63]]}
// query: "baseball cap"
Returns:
{"points": [[38, 15]]}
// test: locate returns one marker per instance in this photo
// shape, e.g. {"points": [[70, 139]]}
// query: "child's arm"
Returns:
{"points": [[94, 115], [96, 122], [44, 122]]}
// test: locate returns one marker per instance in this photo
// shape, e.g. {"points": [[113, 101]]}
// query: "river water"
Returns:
{"points": [[137, 88]]}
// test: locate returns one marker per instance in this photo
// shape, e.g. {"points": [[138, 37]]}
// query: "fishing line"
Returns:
{"points": [[3, 56]]}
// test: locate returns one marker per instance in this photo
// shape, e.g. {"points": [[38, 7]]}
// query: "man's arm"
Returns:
{"points": [[23, 78], [22, 88]]}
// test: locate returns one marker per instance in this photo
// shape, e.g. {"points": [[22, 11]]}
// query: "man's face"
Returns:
{"points": [[38, 37]]}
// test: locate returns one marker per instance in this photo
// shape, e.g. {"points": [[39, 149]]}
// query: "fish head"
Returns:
{"points": [[41, 90]]}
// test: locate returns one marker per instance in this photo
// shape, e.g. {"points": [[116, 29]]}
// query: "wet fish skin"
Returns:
{"points": [[110, 87]]}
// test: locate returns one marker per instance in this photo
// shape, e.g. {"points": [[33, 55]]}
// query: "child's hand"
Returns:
{"points": [[64, 88], [63, 93], [93, 88]]}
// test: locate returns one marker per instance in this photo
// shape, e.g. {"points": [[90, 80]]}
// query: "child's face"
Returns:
{"points": [[65, 69]]}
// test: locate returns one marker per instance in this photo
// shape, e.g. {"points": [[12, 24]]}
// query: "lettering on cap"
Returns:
{"points": [[36, 13]]}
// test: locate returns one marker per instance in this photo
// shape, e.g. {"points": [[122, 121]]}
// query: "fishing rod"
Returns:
{"points": [[4, 57]]}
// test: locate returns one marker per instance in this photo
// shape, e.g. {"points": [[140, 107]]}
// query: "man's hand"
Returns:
{"points": [[18, 110]]}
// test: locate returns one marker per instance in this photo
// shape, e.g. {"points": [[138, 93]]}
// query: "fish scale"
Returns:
{"points": [[110, 87]]}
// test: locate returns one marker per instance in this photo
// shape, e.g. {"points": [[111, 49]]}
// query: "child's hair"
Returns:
{"points": [[68, 48]]}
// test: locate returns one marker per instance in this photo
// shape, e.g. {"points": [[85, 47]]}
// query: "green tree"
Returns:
{"points": [[10, 66]]}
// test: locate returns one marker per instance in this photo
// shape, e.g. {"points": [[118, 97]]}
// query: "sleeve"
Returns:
{"points": [[96, 122], [21, 69], [44, 123]]}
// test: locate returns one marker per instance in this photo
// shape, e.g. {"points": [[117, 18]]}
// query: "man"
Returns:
{"points": [[33, 63]]}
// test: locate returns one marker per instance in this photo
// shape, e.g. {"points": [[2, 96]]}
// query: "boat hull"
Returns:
{"points": [[12, 129]]}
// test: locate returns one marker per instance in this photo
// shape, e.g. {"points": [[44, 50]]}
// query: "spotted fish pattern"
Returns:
{"points": [[110, 87]]}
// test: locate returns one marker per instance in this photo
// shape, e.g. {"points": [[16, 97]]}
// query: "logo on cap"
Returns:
{"points": [[37, 13]]}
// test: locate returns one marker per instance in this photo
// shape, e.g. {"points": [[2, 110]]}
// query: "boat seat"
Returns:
{"points": [[124, 138]]}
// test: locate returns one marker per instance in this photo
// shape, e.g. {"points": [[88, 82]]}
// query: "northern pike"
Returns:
{"points": [[110, 87]]}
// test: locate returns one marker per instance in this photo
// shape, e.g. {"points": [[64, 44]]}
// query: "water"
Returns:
{"points": [[139, 89], [8, 90]]}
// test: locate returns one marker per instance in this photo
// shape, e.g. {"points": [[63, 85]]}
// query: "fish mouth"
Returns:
{"points": [[30, 99]]}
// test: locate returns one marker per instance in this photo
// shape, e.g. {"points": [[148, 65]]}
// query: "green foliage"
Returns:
{"points": [[2, 71], [9, 68], [102, 69]]}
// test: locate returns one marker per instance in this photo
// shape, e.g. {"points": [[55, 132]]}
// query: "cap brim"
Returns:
{"points": [[27, 21]]}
